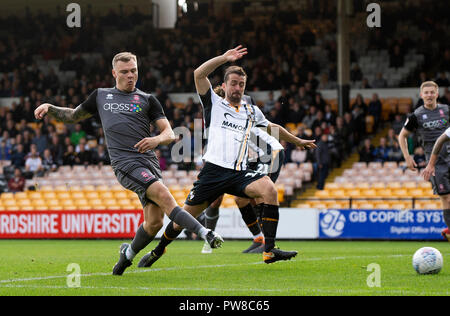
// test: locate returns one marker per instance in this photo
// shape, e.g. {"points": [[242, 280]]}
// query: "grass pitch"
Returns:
{"points": [[39, 267]]}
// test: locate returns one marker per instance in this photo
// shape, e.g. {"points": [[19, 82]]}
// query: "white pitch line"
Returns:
{"points": [[133, 288], [190, 268]]}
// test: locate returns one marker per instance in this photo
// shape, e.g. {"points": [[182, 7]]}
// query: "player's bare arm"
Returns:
{"points": [[65, 115], [201, 74], [288, 137], [165, 137], [429, 169], [403, 142]]}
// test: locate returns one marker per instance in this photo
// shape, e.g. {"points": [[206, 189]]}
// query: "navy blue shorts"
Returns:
{"points": [[213, 181]]}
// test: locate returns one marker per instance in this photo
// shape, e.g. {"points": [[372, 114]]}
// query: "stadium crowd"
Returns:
{"points": [[278, 60]]}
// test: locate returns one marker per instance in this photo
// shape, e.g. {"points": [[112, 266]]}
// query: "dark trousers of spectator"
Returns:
{"points": [[322, 174]]}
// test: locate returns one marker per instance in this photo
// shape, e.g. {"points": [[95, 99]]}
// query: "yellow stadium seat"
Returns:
{"points": [[394, 185], [92, 195], [21, 195], [102, 188], [88, 188], [77, 195], [61, 195], [417, 192], [24, 202], [384, 192], [81, 202], [106, 195], [35, 195], [322, 193], [120, 194], [400, 193], [49, 195], [368, 193], [7, 196]]}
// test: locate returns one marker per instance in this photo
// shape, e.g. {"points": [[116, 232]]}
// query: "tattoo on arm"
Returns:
{"points": [[68, 115], [439, 143]]}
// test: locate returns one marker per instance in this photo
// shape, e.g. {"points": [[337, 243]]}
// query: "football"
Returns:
{"points": [[427, 260]]}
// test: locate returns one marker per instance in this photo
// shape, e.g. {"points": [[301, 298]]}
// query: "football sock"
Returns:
{"points": [[258, 211], [202, 219], [211, 217], [249, 217], [140, 241], [447, 217], [168, 236], [270, 223], [186, 220]]}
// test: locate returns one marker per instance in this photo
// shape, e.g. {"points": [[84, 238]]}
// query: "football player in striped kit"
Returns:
{"points": [[228, 123]]}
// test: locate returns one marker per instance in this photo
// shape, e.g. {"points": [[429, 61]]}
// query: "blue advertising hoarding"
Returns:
{"points": [[381, 224]]}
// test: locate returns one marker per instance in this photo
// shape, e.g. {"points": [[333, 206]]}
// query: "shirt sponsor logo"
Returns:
{"points": [[435, 124], [122, 107]]}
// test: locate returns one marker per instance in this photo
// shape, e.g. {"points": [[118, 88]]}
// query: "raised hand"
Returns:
{"points": [[235, 53]]}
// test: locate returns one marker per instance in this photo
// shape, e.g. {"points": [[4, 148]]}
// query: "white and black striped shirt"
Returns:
{"points": [[228, 130]]}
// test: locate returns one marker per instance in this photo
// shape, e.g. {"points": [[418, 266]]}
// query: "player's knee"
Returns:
{"points": [[270, 194]]}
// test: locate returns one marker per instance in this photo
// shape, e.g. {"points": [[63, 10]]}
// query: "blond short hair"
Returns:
{"points": [[125, 57], [428, 84]]}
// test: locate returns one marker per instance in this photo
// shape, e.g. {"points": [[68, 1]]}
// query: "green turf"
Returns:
{"points": [[39, 267]]}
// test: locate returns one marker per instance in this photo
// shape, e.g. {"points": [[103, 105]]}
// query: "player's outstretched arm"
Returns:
{"points": [[283, 134], [403, 142], [429, 169], [65, 115], [201, 74]]}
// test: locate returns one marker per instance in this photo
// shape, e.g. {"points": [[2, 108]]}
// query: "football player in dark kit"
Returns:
{"points": [[430, 120], [126, 114]]}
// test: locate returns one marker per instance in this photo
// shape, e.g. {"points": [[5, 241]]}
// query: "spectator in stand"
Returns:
{"points": [[82, 144], [366, 151], [356, 73], [374, 109], [329, 115], [323, 161], [398, 123], [77, 134], [420, 158], [16, 183], [18, 157], [395, 154], [335, 147], [48, 163], [101, 156], [320, 119], [84, 156], [365, 84], [5, 150], [33, 163], [391, 137], [318, 101], [310, 117], [296, 113], [442, 80], [345, 129], [324, 83], [69, 157], [39, 140], [270, 103], [359, 101], [397, 58], [56, 149], [381, 153], [379, 81]]}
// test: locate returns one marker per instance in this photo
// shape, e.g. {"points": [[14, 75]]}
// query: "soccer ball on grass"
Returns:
{"points": [[427, 260]]}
